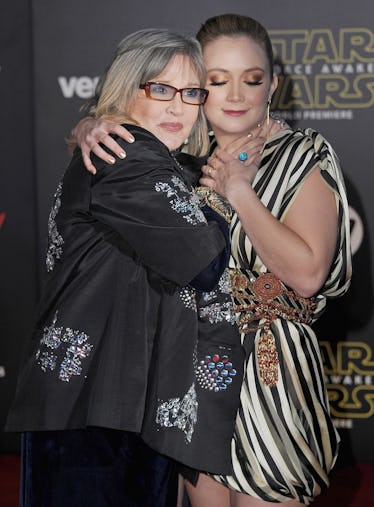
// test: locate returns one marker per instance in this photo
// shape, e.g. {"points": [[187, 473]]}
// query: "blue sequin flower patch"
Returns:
{"points": [[73, 344], [215, 373]]}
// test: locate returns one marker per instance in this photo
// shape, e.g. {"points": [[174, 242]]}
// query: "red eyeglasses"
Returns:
{"points": [[160, 91]]}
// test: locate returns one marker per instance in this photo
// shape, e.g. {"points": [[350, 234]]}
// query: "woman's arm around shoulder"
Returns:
{"points": [[96, 136]]}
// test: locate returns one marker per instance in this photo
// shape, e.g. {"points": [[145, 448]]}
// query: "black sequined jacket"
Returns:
{"points": [[116, 336]]}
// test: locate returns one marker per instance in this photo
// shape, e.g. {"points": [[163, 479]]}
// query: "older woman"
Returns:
{"points": [[283, 193], [114, 348]]}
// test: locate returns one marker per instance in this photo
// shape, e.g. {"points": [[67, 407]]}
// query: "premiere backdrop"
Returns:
{"points": [[51, 55]]}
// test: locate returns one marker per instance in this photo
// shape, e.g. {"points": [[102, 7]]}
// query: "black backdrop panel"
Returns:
{"points": [[325, 56], [18, 230]]}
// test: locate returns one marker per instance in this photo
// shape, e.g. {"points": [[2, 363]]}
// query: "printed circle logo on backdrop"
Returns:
{"points": [[2, 219], [357, 230]]}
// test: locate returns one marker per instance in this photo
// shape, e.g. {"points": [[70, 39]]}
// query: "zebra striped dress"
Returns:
{"points": [[285, 443]]}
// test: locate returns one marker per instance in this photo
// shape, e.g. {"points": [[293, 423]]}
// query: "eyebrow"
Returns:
{"points": [[251, 69], [188, 85]]}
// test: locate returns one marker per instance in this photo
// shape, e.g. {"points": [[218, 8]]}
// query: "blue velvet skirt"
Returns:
{"points": [[94, 467]]}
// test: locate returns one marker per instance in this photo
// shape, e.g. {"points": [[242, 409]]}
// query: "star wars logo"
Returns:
{"points": [[350, 374], [324, 68]]}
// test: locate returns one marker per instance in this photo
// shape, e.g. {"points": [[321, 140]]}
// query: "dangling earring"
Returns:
{"points": [[268, 113]]}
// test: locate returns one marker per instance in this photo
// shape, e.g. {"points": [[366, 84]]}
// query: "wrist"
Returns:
{"points": [[240, 193]]}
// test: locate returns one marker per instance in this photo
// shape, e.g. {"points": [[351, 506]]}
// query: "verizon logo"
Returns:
{"points": [[82, 87]]}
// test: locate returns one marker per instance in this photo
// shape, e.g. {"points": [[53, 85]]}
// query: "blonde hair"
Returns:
{"points": [[141, 57]]}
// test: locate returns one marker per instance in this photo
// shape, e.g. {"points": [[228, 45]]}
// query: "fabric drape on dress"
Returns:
{"points": [[285, 443]]}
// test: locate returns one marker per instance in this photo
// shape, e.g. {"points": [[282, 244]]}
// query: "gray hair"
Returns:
{"points": [[141, 57]]}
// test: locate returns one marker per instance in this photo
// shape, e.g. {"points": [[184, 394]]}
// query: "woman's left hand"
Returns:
{"points": [[225, 173]]}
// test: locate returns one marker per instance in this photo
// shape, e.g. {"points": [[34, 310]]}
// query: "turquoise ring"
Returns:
{"points": [[243, 156]]}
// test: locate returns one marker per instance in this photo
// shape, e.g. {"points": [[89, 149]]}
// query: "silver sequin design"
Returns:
{"points": [[224, 286], [55, 240], [218, 312], [179, 413], [188, 296], [224, 283], [222, 310], [77, 347], [187, 205]]}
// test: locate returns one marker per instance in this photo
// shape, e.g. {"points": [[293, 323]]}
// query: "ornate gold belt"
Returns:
{"points": [[265, 299]]}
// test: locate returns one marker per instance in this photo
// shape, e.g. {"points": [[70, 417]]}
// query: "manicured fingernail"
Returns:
{"points": [[111, 160], [122, 154], [131, 139]]}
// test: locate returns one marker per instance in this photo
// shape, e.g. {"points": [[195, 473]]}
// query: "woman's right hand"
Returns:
{"points": [[89, 132]]}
